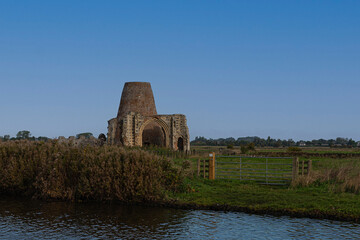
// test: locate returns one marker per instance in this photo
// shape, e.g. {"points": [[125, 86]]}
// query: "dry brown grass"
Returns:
{"points": [[341, 176], [59, 171]]}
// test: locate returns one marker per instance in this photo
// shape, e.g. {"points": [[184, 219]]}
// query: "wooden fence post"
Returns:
{"points": [[302, 167], [198, 167], [295, 168], [212, 166], [309, 167], [204, 168]]}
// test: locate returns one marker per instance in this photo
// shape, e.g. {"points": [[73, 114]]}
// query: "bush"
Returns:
{"points": [[244, 149], [230, 146], [247, 148], [294, 149], [251, 146], [54, 170]]}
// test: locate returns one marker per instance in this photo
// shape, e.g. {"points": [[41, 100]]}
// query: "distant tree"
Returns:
{"points": [[42, 139], [102, 137], [290, 142], [23, 134], [251, 146], [277, 143], [260, 142], [87, 135], [199, 141], [243, 142], [342, 141], [294, 149], [351, 143], [244, 149], [5, 138], [331, 142], [268, 141]]}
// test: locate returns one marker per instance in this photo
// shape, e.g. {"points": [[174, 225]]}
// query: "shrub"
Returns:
{"points": [[247, 148], [251, 146], [230, 146], [54, 170], [244, 149], [294, 149]]}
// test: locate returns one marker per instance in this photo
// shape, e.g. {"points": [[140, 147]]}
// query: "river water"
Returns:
{"points": [[22, 219]]}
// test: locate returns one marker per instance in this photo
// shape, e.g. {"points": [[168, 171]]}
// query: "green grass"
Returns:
{"points": [[316, 201], [328, 194], [322, 150]]}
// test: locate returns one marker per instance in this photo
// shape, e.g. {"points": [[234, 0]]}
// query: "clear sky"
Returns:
{"points": [[285, 69]]}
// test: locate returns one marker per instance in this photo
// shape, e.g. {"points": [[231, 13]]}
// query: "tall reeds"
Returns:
{"points": [[340, 176], [54, 170]]}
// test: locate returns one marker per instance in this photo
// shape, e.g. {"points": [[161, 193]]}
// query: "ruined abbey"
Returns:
{"points": [[138, 124]]}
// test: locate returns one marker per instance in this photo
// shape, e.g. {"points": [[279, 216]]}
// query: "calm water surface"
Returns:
{"points": [[20, 219]]}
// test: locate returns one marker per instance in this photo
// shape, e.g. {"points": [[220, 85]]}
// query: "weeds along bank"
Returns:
{"points": [[339, 175], [54, 170]]}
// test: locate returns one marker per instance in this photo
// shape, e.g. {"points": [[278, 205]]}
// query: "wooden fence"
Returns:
{"points": [[169, 153], [264, 170], [203, 168]]}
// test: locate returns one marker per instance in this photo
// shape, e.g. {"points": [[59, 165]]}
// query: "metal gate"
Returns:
{"points": [[264, 170]]}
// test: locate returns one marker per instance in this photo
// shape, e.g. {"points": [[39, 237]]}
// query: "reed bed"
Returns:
{"points": [[53, 170], [340, 176]]}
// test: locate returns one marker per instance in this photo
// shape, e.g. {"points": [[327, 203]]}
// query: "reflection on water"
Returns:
{"points": [[21, 219]]}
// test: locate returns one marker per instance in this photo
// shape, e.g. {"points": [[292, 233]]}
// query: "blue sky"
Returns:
{"points": [[285, 69]]}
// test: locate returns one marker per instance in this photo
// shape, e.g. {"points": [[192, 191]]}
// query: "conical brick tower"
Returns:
{"points": [[138, 124], [137, 97]]}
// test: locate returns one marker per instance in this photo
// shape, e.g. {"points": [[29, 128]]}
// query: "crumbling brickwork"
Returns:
{"points": [[138, 124]]}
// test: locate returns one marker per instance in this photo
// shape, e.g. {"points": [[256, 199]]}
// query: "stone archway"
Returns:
{"points": [[180, 144], [153, 135], [157, 122]]}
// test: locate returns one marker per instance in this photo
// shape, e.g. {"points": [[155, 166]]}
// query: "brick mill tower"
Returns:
{"points": [[138, 124]]}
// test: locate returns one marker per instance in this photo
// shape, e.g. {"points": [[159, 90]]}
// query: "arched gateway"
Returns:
{"points": [[153, 135], [138, 124], [180, 144], [154, 132]]}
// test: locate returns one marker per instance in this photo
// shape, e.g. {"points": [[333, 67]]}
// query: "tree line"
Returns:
{"points": [[22, 135], [271, 142], [26, 135], [241, 141]]}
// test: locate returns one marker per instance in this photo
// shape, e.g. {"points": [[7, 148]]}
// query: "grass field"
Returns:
{"points": [[236, 149], [330, 191], [313, 201]]}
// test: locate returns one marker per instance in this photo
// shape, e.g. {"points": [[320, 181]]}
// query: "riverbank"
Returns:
{"points": [[231, 195], [29, 219], [331, 191], [58, 171]]}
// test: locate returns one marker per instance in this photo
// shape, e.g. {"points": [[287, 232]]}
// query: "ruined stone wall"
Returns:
{"points": [[137, 112], [112, 127], [133, 125]]}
